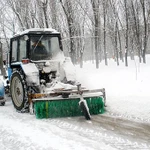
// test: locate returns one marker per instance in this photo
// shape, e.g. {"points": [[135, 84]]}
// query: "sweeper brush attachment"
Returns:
{"points": [[75, 105]]}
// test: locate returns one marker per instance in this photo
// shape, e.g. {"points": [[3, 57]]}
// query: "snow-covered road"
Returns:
{"points": [[103, 132], [124, 126]]}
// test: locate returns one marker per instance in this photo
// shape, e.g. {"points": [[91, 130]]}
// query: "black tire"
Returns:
{"points": [[85, 110], [18, 92], [2, 103]]}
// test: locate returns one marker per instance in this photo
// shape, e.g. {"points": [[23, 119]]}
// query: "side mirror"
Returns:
{"points": [[26, 37]]}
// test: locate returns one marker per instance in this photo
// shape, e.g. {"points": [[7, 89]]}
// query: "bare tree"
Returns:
{"points": [[135, 25], [43, 4], [114, 22], [17, 9], [105, 3], [145, 25], [115, 26], [127, 32], [3, 71], [54, 15], [97, 32], [70, 17]]}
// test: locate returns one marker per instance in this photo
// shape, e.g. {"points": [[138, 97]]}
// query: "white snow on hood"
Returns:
{"points": [[32, 73]]}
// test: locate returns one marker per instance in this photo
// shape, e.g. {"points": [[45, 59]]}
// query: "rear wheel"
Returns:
{"points": [[18, 92]]}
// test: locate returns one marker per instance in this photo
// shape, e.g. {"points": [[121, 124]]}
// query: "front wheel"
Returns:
{"points": [[18, 92]]}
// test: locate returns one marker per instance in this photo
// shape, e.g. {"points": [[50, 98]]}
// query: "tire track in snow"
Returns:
{"points": [[12, 141], [25, 133], [133, 135], [128, 117], [102, 131]]}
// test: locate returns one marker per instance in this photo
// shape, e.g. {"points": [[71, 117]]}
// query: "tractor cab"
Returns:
{"points": [[35, 45]]}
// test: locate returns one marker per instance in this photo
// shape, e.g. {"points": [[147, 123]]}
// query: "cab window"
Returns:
{"points": [[22, 49], [14, 50]]}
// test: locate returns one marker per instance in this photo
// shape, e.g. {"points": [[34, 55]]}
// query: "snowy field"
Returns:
{"points": [[128, 99]]}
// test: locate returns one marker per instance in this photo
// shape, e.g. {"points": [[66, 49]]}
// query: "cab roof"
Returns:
{"points": [[37, 31]]}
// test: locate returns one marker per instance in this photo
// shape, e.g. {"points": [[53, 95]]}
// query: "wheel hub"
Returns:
{"points": [[18, 91]]}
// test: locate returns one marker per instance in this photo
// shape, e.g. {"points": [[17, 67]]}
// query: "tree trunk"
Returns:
{"points": [[104, 14], [3, 71], [126, 35], [136, 28], [95, 7], [116, 43], [120, 47], [70, 21], [44, 7], [81, 60], [145, 31]]}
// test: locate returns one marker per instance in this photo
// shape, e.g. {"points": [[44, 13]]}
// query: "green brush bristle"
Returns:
{"points": [[67, 107]]}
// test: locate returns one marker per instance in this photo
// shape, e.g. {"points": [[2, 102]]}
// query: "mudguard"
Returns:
{"points": [[32, 74]]}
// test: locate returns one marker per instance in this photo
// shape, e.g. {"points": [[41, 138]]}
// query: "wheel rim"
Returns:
{"points": [[17, 91]]}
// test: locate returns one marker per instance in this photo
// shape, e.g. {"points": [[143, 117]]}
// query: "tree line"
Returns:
{"points": [[91, 29]]}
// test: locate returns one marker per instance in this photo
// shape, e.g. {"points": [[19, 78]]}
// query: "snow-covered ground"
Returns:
{"points": [[127, 88], [128, 105]]}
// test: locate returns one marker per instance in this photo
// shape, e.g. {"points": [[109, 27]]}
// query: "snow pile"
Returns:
{"points": [[56, 85]]}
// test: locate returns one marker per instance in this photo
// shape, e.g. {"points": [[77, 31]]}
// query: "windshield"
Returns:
{"points": [[44, 47]]}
